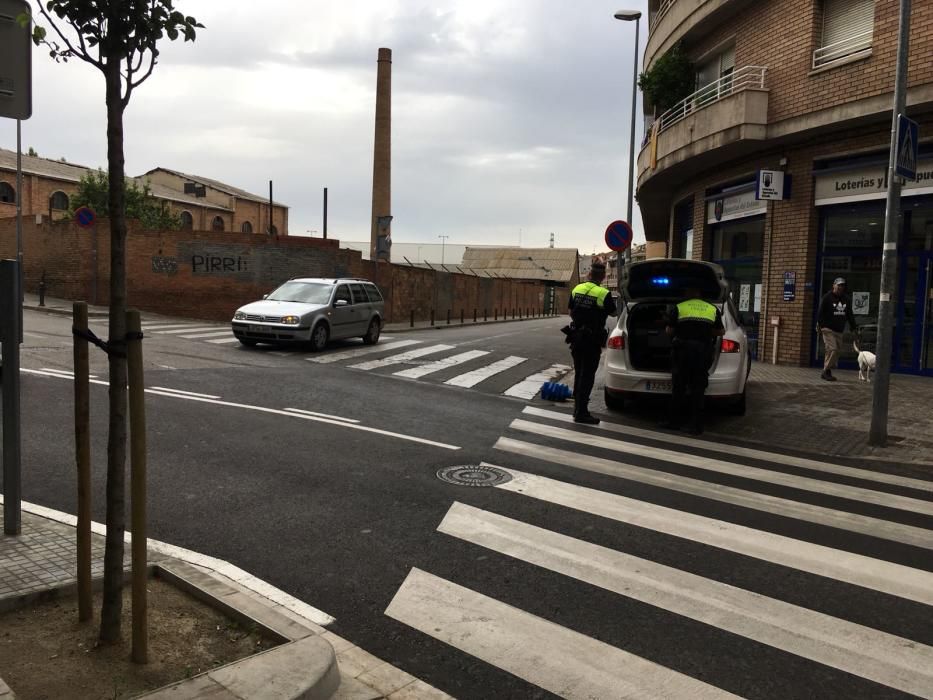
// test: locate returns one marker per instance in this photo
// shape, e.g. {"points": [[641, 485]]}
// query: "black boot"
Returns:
{"points": [[586, 419]]}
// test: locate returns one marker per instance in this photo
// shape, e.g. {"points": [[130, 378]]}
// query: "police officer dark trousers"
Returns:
{"points": [[590, 305], [694, 325]]}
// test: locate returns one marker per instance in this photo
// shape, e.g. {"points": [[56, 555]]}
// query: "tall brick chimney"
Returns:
{"points": [[382, 153]]}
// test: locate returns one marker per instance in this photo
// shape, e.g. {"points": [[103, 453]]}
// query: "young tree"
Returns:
{"points": [[120, 38]]}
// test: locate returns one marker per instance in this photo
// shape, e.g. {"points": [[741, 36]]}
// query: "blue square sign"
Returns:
{"points": [[908, 146]]}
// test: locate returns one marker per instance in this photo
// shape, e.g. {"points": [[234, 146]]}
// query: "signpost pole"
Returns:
{"points": [[19, 209], [878, 433]]}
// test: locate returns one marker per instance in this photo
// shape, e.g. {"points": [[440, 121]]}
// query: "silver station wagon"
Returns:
{"points": [[313, 310]]}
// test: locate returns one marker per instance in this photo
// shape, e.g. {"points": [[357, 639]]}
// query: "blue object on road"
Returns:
{"points": [[553, 391]]}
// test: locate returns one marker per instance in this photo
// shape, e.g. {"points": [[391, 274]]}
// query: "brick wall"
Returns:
{"points": [[201, 274], [783, 36]]}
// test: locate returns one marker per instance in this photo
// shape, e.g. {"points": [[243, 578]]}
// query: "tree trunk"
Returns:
{"points": [[116, 443]]}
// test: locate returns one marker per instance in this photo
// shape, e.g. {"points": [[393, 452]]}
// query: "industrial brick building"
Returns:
{"points": [[802, 87]]}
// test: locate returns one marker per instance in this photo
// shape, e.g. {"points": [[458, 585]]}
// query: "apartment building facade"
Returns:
{"points": [[802, 88]]}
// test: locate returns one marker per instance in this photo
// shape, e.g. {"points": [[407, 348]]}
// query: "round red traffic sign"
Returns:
{"points": [[618, 235], [85, 217]]}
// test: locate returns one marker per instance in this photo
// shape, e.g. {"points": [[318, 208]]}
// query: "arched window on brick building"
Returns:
{"points": [[273, 231], [187, 221], [7, 193], [58, 201], [247, 227], [217, 224]]}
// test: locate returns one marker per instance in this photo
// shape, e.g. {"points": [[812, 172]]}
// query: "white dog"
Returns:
{"points": [[866, 363]]}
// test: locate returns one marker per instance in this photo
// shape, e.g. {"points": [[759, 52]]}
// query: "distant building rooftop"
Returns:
{"points": [[551, 264]]}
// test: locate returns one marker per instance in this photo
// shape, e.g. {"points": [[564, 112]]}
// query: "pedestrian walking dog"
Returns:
{"points": [[866, 363]]}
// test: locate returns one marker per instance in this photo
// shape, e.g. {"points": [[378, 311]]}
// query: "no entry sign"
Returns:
{"points": [[85, 217], [619, 235]]}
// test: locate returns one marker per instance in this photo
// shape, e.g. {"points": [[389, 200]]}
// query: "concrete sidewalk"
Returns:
{"points": [[310, 661]]}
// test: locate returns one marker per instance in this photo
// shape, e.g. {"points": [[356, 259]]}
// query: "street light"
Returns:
{"points": [[631, 16], [443, 245]]}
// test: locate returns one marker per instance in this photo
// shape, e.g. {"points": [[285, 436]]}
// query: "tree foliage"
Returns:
{"points": [[670, 79], [94, 192]]}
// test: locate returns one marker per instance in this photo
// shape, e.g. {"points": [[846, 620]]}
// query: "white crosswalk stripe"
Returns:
{"points": [[528, 387], [363, 350], [402, 357], [535, 649], [192, 329], [438, 365], [471, 379], [221, 341], [226, 332], [557, 659]]}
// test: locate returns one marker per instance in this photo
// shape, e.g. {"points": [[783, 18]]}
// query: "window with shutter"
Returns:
{"points": [[847, 30]]}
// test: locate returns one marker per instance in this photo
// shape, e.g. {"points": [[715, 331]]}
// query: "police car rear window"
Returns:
{"points": [[672, 279]]}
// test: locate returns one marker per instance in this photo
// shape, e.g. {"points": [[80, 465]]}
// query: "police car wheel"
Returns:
{"points": [[738, 408], [613, 403]]}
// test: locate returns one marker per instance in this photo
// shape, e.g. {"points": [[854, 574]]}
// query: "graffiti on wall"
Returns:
{"points": [[222, 264], [163, 264]]}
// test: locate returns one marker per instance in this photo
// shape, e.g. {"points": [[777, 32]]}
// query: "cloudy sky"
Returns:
{"points": [[510, 117]]}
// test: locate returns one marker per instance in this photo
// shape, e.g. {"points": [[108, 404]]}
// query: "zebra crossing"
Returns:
{"points": [[804, 545]]}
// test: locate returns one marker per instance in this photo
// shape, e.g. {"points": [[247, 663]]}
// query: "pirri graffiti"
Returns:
{"points": [[214, 264]]}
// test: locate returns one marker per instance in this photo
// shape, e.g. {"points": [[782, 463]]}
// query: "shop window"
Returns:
{"points": [[847, 31], [187, 221], [918, 214], [217, 224], [247, 227], [737, 246], [58, 201], [7, 193], [854, 227]]}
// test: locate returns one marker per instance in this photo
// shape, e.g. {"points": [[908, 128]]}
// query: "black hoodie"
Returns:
{"points": [[834, 312]]}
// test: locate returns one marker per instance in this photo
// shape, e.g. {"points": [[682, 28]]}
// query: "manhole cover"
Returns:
{"points": [[473, 475]]}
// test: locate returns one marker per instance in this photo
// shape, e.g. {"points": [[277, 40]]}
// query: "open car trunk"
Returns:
{"points": [[649, 346]]}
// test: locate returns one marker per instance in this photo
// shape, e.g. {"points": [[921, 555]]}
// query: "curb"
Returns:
{"points": [[64, 312]]}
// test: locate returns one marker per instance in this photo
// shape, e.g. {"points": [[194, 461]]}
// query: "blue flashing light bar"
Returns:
{"points": [[661, 281]]}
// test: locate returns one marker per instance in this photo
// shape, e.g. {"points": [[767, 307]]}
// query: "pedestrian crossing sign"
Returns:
{"points": [[908, 144]]}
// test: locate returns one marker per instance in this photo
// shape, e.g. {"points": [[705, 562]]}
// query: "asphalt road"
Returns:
{"points": [[522, 594]]}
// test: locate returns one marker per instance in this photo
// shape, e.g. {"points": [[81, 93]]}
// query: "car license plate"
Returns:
{"points": [[658, 386], [260, 329]]}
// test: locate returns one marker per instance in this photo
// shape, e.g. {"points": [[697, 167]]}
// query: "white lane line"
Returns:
{"points": [[185, 393], [224, 568], [223, 340], [564, 662], [363, 350], [57, 375], [878, 575], [470, 379], [880, 657], [322, 415], [64, 372], [843, 520], [166, 326], [431, 367], [767, 476], [527, 388], [213, 334], [303, 416], [790, 460], [194, 329], [402, 357]]}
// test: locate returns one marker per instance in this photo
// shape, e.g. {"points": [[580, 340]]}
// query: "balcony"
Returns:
{"points": [[721, 119], [674, 20]]}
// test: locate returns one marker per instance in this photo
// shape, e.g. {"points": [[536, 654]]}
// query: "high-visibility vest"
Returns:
{"points": [[585, 291], [696, 310]]}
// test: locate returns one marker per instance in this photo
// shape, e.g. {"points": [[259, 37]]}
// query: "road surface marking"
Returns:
{"points": [[840, 519], [364, 350], [185, 393], [223, 340], [884, 658], [226, 332], [402, 357], [803, 483], [303, 416], [733, 450], [322, 415], [166, 326], [473, 378], [59, 375], [65, 372], [564, 662], [878, 575], [193, 329], [431, 367], [220, 566], [528, 387]]}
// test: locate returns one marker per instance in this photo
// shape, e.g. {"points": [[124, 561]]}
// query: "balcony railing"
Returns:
{"points": [[856, 44], [749, 77], [663, 7]]}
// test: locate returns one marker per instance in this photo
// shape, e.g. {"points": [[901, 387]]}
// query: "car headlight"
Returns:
{"points": [[239, 316], [291, 320]]}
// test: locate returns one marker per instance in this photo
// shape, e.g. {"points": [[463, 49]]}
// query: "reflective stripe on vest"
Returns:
{"points": [[696, 310], [591, 289]]}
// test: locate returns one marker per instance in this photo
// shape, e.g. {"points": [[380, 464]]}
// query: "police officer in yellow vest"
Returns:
{"points": [[590, 305], [694, 325]]}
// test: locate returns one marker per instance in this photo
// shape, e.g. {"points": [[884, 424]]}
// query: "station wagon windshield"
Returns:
{"points": [[302, 292]]}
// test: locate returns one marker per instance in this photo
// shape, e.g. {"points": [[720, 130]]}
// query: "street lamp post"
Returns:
{"points": [[631, 16], [443, 246]]}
